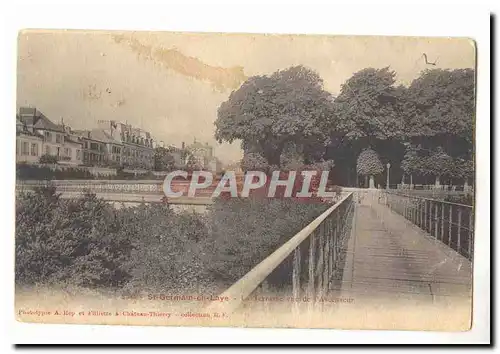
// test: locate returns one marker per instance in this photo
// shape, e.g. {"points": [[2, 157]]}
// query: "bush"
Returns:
{"points": [[86, 242], [166, 250], [48, 159], [76, 241], [245, 231]]}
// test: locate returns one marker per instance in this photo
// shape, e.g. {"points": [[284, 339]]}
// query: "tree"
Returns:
{"points": [[253, 161], [439, 118], [48, 159], [163, 160], [267, 112], [369, 109], [369, 164], [368, 106], [442, 105]]}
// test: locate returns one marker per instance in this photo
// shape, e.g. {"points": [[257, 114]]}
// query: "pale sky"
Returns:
{"points": [[171, 84]]}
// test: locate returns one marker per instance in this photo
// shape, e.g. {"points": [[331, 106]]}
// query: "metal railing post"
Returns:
{"points": [[326, 266], [450, 225], [311, 293], [442, 222], [459, 227], [425, 215], [471, 226], [421, 212], [296, 279], [436, 219], [331, 247], [429, 226]]}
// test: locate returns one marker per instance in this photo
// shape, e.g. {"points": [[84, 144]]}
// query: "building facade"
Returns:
{"points": [[36, 135], [112, 143], [199, 154], [129, 146]]}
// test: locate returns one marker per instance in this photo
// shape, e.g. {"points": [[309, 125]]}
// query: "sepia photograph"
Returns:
{"points": [[245, 180]]}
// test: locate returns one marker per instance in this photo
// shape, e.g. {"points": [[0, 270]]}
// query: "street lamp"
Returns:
{"points": [[388, 167]]}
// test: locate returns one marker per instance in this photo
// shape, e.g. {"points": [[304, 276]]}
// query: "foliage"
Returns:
{"points": [[368, 163], [163, 159], [246, 231], [369, 105], [33, 172], [86, 242], [70, 241], [266, 112], [167, 249], [443, 103], [253, 161], [47, 159]]}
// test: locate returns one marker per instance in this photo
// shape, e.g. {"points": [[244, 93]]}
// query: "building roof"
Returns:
{"points": [[101, 135], [72, 141], [33, 117]]}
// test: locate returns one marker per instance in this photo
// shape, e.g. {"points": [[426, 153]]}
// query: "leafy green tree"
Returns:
{"points": [[439, 118], [163, 160], [369, 109], [368, 164], [369, 104], [253, 161], [48, 159], [267, 112]]}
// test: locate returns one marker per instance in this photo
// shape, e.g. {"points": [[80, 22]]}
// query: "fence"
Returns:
{"points": [[450, 223], [97, 186], [440, 187], [303, 266]]}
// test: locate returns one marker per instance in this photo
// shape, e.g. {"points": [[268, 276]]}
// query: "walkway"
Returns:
{"points": [[389, 256], [396, 272]]}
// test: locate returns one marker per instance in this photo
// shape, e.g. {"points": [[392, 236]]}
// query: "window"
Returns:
{"points": [[17, 147], [67, 152], [58, 138], [34, 149], [47, 149], [77, 154], [25, 148], [48, 136]]}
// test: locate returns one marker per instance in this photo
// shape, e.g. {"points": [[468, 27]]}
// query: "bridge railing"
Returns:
{"points": [[450, 223], [303, 267]]}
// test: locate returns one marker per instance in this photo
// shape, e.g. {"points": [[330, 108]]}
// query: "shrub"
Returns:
{"points": [[245, 231], [86, 242], [48, 159], [166, 250], [77, 241]]}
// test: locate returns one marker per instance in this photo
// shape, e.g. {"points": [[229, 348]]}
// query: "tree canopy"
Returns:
{"points": [[163, 160], [439, 118], [368, 163], [369, 105], [267, 112]]}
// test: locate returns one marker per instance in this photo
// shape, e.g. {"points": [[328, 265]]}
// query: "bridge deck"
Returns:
{"points": [[389, 257], [398, 276]]}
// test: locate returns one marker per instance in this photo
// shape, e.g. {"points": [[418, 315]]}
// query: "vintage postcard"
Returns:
{"points": [[249, 180]]}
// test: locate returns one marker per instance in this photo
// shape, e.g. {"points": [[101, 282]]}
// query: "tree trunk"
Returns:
{"points": [[438, 183], [372, 182], [366, 181]]}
